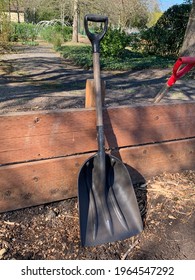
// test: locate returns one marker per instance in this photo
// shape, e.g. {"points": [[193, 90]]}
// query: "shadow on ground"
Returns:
{"points": [[37, 78]]}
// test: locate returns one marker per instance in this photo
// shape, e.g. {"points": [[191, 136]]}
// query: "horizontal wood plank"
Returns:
{"points": [[40, 135], [35, 183], [29, 184], [150, 160]]}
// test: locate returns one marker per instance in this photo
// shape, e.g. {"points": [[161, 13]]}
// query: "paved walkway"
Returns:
{"points": [[37, 78]]}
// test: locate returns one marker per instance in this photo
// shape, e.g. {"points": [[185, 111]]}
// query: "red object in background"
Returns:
{"points": [[178, 71]]}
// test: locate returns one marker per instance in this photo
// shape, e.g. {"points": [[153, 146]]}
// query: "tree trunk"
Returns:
{"points": [[75, 22], [188, 47], [18, 10], [62, 11], [9, 5]]}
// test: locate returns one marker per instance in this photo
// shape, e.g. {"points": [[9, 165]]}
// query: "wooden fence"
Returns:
{"points": [[41, 153]]}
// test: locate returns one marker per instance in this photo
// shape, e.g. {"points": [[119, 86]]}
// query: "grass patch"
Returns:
{"points": [[30, 43], [81, 55]]}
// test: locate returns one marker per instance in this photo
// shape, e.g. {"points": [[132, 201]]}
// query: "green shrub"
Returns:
{"points": [[47, 33], [4, 31], [22, 32], [81, 55], [56, 34], [166, 36], [57, 40], [114, 42], [67, 33]]}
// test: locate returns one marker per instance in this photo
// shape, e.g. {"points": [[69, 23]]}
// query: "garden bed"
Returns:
{"points": [[51, 231]]}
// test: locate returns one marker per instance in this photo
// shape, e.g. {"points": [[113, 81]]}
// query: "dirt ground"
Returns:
{"points": [[50, 232], [36, 79]]}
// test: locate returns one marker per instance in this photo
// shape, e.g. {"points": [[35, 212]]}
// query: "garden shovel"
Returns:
{"points": [[178, 71], [108, 209]]}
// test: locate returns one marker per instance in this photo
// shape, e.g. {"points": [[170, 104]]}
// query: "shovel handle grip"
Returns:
{"points": [[178, 71], [95, 38]]}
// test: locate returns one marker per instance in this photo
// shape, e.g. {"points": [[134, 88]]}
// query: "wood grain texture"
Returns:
{"points": [[41, 153], [35, 183], [90, 96], [28, 184], [42, 135]]}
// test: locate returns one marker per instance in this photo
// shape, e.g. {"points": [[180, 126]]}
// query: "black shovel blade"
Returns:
{"points": [[113, 214]]}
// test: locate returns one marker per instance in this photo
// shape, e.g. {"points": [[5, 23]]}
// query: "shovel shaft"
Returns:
{"points": [[97, 83], [161, 94], [99, 115]]}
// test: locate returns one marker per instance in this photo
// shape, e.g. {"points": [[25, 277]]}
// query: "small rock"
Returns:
{"points": [[2, 252], [50, 215]]}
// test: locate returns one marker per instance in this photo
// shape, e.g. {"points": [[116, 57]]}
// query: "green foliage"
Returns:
{"points": [[22, 32], [57, 34], [30, 43], [81, 55], [4, 28], [57, 40], [114, 42], [66, 32], [166, 36]]}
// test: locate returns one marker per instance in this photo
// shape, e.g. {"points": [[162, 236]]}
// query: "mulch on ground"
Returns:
{"points": [[50, 232]]}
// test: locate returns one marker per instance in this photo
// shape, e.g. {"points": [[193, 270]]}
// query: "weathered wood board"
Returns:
{"points": [[41, 153], [40, 135]]}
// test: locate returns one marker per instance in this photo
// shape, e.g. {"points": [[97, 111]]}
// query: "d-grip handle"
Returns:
{"points": [[178, 72], [95, 38]]}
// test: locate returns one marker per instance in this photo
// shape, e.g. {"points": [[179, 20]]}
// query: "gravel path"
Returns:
{"points": [[37, 78]]}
